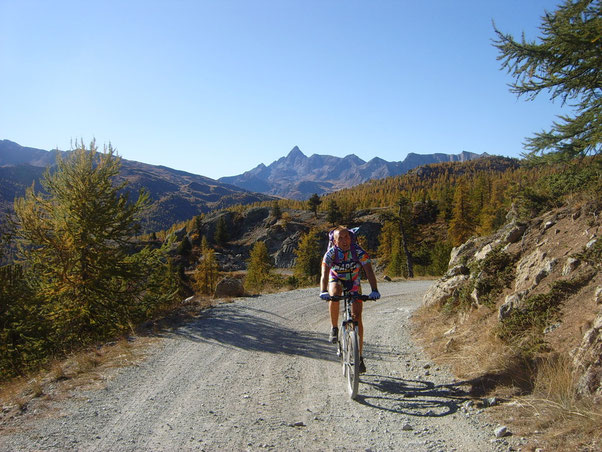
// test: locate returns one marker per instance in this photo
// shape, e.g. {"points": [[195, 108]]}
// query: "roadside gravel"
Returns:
{"points": [[259, 374]]}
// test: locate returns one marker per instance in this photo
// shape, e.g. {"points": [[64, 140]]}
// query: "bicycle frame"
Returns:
{"points": [[348, 341]]}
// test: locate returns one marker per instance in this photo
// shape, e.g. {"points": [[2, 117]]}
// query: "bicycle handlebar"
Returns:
{"points": [[353, 297]]}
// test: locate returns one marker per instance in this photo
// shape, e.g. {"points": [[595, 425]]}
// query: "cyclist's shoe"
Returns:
{"points": [[362, 366], [334, 335]]}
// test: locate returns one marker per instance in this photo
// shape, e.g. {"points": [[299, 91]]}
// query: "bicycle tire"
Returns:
{"points": [[352, 362]]}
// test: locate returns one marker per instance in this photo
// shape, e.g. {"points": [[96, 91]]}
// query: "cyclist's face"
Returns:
{"points": [[342, 239]]}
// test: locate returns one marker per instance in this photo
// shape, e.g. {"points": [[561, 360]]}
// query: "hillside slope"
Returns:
{"points": [[176, 195], [521, 300]]}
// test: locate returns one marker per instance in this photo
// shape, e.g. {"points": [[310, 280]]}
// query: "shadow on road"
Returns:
{"points": [[413, 397], [249, 329]]}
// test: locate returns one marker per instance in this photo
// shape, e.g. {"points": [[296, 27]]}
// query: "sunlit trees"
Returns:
{"points": [[258, 270], [75, 243], [565, 62], [207, 271], [309, 257], [462, 225]]}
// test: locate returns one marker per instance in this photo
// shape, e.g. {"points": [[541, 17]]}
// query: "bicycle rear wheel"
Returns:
{"points": [[352, 362]]}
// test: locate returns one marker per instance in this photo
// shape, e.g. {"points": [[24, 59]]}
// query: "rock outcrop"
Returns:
{"points": [[557, 250], [468, 255]]}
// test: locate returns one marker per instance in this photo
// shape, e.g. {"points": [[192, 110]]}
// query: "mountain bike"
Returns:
{"points": [[348, 343]]}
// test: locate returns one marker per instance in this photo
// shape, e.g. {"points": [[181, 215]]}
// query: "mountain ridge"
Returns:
{"points": [[297, 176], [176, 195]]}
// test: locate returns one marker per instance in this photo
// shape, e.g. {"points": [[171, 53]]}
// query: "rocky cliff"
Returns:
{"points": [[540, 276]]}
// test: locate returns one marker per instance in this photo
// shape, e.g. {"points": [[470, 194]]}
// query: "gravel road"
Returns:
{"points": [[259, 374]]}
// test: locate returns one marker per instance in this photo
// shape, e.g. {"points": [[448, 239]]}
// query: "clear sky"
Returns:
{"points": [[217, 87]]}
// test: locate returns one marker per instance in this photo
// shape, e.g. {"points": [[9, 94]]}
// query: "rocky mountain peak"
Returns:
{"points": [[295, 153], [297, 176]]}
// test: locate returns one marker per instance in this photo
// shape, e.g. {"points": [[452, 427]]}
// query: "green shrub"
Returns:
{"points": [[525, 327]]}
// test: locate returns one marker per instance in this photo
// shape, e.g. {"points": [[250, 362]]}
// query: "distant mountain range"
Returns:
{"points": [[297, 176], [176, 195]]}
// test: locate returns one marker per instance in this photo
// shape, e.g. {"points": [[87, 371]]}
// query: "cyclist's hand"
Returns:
{"points": [[325, 296], [374, 295]]}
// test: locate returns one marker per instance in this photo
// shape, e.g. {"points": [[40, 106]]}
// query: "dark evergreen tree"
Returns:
{"points": [[221, 232], [276, 211], [333, 215], [314, 202]]}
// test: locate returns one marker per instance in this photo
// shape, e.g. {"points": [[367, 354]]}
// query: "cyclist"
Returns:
{"points": [[341, 265]]}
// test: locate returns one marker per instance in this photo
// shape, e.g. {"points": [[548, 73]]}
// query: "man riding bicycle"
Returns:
{"points": [[342, 265]]}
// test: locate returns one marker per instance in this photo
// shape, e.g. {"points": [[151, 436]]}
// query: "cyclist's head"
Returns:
{"points": [[342, 238]]}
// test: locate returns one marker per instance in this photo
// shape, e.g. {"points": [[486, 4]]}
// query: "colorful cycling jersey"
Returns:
{"points": [[345, 268]]}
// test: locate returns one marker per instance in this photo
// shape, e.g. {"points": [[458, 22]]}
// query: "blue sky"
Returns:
{"points": [[217, 87]]}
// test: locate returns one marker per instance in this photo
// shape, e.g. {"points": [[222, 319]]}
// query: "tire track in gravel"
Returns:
{"points": [[259, 374]]}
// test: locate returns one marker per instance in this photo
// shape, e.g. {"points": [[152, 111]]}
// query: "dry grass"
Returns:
{"points": [[554, 408], [542, 390], [85, 369]]}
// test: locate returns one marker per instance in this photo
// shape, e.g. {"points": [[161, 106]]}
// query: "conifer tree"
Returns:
{"points": [[309, 257], [565, 62], [259, 267], [395, 266], [314, 202], [333, 215], [461, 226], [276, 211], [221, 232], [74, 241], [405, 225], [207, 272]]}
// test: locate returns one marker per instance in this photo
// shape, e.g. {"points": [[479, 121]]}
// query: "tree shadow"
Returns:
{"points": [[248, 328], [413, 397]]}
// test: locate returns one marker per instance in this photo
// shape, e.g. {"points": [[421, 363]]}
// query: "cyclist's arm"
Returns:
{"points": [[324, 277], [371, 276]]}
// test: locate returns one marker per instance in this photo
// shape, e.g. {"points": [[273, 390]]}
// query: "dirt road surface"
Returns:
{"points": [[259, 374]]}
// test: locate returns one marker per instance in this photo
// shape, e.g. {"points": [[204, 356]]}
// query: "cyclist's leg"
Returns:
{"points": [[334, 288]]}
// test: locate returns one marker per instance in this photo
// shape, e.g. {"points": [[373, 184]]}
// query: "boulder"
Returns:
{"points": [[587, 361], [511, 303], [229, 287], [285, 257], [532, 268], [515, 233], [458, 270], [570, 266], [443, 289]]}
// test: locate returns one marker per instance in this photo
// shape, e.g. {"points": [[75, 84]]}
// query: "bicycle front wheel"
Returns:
{"points": [[352, 362]]}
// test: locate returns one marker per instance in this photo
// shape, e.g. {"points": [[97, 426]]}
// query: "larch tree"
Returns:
{"points": [[461, 225], [75, 245], [207, 271], [259, 267], [309, 257], [565, 62]]}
